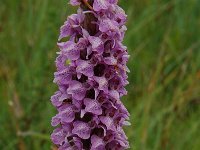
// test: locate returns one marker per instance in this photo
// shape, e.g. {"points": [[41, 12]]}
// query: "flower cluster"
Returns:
{"points": [[91, 76]]}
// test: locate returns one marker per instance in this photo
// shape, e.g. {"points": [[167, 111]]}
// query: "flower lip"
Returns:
{"points": [[81, 129], [76, 90], [92, 106], [100, 5]]}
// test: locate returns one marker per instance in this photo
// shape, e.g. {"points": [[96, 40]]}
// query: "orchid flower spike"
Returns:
{"points": [[91, 76]]}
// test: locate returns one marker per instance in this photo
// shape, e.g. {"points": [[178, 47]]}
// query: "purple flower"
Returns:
{"points": [[81, 129], [85, 68], [97, 143], [91, 76], [92, 106], [100, 5], [76, 90], [69, 50]]}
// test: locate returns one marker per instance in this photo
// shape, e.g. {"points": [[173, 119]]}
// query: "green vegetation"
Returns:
{"points": [[163, 39]]}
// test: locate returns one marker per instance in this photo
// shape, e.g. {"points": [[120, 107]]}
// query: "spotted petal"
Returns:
{"points": [[97, 143], [120, 13], [92, 106], [108, 121], [85, 68], [55, 120], [82, 43], [68, 48], [81, 129], [110, 60], [77, 90], [65, 30], [62, 77], [95, 41], [122, 139], [108, 25], [55, 99], [68, 114], [103, 83], [100, 5], [58, 136]]}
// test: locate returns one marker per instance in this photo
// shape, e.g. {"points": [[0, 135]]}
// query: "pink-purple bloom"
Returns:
{"points": [[91, 76]]}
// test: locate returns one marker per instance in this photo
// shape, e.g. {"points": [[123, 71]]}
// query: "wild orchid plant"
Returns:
{"points": [[91, 76]]}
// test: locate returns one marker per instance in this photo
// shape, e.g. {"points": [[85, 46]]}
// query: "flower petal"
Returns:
{"points": [[114, 94], [67, 115], [58, 136], [77, 90], [85, 68], [62, 77], [75, 2], [108, 121], [68, 48], [65, 30], [92, 106], [55, 120], [108, 25], [110, 60], [97, 143], [103, 83], [81, 129], [100, 4], [55, 99], [96, 42]]}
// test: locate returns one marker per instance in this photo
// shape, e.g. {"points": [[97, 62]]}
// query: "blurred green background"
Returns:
{"points": [[163, 39]]}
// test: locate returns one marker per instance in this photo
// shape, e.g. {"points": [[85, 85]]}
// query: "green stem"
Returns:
{"points": [[87, 4]]}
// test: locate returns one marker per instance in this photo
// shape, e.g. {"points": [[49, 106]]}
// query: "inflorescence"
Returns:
{"points": [[91, 76]]}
